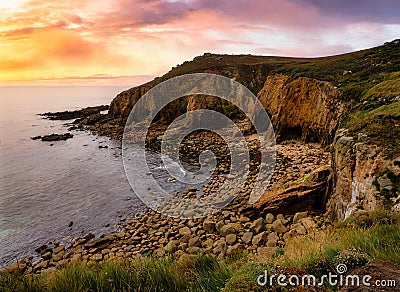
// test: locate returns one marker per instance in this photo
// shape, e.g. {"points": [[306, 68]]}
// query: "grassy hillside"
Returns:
{"points": [[353, 73]]}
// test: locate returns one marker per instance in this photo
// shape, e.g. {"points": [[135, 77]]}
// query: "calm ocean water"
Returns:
{"points": [[43, 187]]}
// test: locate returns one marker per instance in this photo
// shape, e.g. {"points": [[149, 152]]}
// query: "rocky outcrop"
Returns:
{"points": [[123, 103], [309, 195], [54, 137], [248, 70], [301, 108], [364, 179], [82, 113]]}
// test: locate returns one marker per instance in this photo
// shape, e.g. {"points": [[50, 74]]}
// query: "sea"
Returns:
{"points": [[55, 191]]}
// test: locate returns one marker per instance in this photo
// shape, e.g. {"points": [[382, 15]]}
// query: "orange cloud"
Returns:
{"points": [[54, 40]]}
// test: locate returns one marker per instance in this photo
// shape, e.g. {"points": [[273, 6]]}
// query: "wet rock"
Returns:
{"points": [[58, 256], [16, 267], [58, 249], [41, 249], [69, 115], [47, 255], [54, 137], [88, 236], [99, 243]]}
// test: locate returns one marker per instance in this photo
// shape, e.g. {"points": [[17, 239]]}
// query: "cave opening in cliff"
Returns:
{"points": [[291, 133]]}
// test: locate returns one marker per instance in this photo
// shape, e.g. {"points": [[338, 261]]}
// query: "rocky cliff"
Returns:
{"points": [[366, 160], [303, 108], [311, 99], [364, 177]]}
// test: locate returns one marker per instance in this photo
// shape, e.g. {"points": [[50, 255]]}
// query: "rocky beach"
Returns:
{"points": [[238, 227]]}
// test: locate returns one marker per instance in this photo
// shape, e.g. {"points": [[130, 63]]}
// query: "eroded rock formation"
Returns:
{"points": [[364, 179], [301, 108]]}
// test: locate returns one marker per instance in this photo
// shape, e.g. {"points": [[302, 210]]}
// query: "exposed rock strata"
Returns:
{"points": [[364, 179], [302, 108]]}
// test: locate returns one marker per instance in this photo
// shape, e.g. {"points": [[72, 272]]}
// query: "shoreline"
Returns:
{"points": [[144, 234]]}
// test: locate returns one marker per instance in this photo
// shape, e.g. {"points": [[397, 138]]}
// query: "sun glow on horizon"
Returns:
{"points": [[81, 40]]}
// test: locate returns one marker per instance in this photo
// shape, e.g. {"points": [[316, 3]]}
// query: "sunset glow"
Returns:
{"points": [[127, 41]]}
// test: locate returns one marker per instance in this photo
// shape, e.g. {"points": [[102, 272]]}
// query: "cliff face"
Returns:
{"points": [[364, 178], [123, 103], [366, 159], [247, 71], [310, 99], [302, 108]]}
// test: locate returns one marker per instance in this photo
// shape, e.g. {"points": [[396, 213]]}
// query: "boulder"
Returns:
{"points": [[259, 225], [184, 231], [247, 237], [171, 246], [230, 239], [308, 223], [209, 226], [278, 226], [299, 215], [195, 241], [269, 218], [238, 247], [229, 229], [259, 239], [272, 239]]}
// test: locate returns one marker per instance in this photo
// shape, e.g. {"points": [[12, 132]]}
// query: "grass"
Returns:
{"points": [[189, 273], [380, 124], [366, 237], [374, 236]]}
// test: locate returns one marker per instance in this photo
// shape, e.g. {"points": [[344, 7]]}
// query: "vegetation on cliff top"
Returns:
{"points": [[367, 237], [353, 73], [378, 115]]}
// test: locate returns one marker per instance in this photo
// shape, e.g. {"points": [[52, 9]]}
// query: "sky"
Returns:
{"points": [[120, 42]]}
